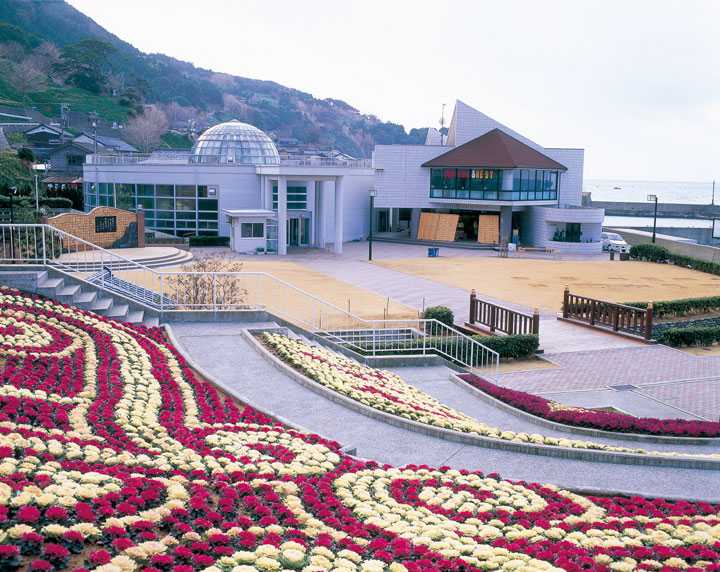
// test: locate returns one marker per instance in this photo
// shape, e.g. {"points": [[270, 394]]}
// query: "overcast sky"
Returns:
{"points": [[634, 82]]}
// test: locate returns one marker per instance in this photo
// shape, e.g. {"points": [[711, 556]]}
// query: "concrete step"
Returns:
{"points": [[85, 297], [102, 304], [49, 285], [119, 311], [134, 316], [67, 294], [151, 321]]}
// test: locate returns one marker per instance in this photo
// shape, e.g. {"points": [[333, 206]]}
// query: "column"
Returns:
{"points": [[395, 219], [282, 216], [505, 224], [319, 214], [267, 193], [338, 244]]}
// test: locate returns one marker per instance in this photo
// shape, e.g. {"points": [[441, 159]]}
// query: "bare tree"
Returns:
{"points": [[235, 106], [208, 283], [45, 58], [145, 131], [26, 77], [177, 114]]}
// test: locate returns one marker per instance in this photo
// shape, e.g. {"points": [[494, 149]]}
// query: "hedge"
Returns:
{"points": [[692, 336], [508, 347], [442, 314], [695, 264], [209, 241], [681, 307], [650, 252]]}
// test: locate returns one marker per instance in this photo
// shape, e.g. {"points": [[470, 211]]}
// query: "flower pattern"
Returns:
{"points": [[116, 457]]}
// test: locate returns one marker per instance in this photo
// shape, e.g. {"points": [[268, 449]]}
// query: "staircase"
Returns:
{"points": [[66, 290], [173, 257]]}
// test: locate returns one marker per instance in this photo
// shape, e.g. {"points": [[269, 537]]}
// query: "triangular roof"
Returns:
{"points": [[496, 149], [43, 128]]}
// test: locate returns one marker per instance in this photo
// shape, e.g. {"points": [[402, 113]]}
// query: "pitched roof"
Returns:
{"points": [[495, 149]]}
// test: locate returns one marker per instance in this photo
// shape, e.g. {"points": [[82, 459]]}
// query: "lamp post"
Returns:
{"points": [[653, 198], [372, 194], [13, 192], [37, 167]]}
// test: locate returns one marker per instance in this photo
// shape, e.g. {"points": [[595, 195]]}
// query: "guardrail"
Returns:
{"points": [[180, 158], [189, 291], [501, 319], [609, 315]]}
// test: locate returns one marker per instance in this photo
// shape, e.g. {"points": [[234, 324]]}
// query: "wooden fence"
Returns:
{"points": [[608, 315], [501, 319]]}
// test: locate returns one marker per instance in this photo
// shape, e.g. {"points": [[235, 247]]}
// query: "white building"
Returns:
{"points": [[498, 186], [483, 181]]}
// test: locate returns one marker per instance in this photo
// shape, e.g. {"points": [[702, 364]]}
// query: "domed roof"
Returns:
{"points": [[235, 142]]}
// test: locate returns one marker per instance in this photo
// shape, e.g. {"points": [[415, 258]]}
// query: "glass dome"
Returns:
{"points": [[235, 142]]}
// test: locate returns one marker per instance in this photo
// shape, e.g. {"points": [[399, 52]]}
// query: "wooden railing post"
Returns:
{"points": [[473, 306], [536, 321], [493, 317], [593, 310], [616, 319], [566, 302], [649, 321]]}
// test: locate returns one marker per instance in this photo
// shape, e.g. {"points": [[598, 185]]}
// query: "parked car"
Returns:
{"points": [[613, 242]]}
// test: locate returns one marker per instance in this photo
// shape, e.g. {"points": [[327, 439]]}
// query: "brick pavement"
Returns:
{"points": [[667, 375]]}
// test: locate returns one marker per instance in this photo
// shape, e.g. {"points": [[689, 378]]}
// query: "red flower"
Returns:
{"points": [[28, 514]]}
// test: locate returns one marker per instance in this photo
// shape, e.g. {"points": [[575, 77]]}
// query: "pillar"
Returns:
{"points": [[267, 193], [395, 219], [282, 216], [319, 214], [414, 223], [338, 244], [505, 224]]}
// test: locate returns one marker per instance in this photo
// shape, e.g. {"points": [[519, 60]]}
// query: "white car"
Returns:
{"points": [[613, 242]]}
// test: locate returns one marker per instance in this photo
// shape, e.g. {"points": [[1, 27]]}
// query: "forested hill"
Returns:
{"points": [[50, 53]]}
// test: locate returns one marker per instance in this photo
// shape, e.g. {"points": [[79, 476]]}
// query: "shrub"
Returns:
{"points": [[511, 347], [209, 241], [441, 314], [649, 252], [695, 264], [692, 336], [681, 307]]}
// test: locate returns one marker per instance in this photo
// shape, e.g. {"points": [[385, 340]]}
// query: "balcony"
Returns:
{"points": [[470, 195]]}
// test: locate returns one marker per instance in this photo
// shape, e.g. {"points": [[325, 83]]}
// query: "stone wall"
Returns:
{"points": [[129, 227]]}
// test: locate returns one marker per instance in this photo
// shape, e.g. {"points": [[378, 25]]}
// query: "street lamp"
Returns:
{"points": [[13, 192], [653, 198], [373, 194], [37, 167]]}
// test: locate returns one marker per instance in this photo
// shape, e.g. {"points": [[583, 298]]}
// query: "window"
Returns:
{"points": [[185, 191], [252, 230], [296, 198], [75, 160]]}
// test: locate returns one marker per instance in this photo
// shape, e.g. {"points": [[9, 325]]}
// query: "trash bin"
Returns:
{"points": [[433, 252], [612, 255]]}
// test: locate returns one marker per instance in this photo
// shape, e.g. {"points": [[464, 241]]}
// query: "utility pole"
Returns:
{"points": [[93, 121], [713, 196], [442, 124]]}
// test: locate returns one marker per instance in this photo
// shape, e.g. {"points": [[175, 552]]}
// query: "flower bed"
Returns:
{"points": [[580, 417], [153, 470], [387, 392]]}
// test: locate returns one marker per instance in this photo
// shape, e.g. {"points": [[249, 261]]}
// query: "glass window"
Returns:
{"points": [[185, 215], [448, 181], [436, 178], [202, 191], [125, 196], [170, 215], [148, 203], [204, 215], [146, 190], [296, 198], [164, 190], [551, 180], [185, 191], [207, 205], [75, 160], [252, 230], [185, 204], [165, 204]]}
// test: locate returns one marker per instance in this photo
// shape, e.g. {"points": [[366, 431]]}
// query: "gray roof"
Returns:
{"points": [[113, 143]]}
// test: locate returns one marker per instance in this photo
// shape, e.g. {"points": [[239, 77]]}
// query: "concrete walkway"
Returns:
{"points": [[417, 292], [221, 351]]}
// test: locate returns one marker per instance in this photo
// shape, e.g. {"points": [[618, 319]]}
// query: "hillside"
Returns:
{"points": [[50, 53]]}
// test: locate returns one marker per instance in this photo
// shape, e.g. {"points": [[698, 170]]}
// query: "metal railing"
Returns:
{"points": [[501, 319], [609, 315], [187, 158], [191, 291]]}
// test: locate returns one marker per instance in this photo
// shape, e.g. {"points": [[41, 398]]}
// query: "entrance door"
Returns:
{"points": [[298, 231]]}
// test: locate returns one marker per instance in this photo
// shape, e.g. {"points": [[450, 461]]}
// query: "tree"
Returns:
{"points": [[85, 64], [26, 77], [145, 131], [14, 173]]}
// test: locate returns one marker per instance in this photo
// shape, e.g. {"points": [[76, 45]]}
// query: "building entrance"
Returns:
{"points": [[298, 230]]}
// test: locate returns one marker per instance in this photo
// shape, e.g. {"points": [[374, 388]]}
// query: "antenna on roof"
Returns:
{"points": [[442, 124]]}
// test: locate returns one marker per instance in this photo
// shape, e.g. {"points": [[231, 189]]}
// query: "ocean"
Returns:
{"points": [[637, 191], [666, 191]]}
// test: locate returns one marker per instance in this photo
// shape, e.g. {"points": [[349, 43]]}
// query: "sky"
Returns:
{"points": [[635, 83]]}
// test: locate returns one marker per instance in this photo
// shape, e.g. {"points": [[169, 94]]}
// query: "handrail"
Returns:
{"points": [[501, 318], [175, 291]]}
